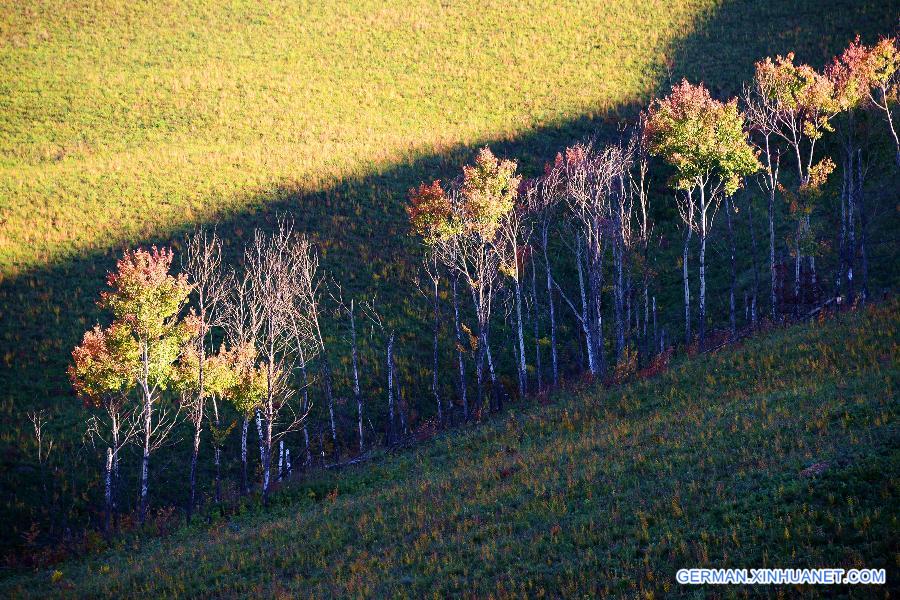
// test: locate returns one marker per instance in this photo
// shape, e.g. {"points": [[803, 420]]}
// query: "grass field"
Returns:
{"points": [[127, 123], [605, 492]]}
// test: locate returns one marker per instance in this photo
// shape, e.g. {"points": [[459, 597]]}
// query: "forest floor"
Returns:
{"points": [[780, 451]]}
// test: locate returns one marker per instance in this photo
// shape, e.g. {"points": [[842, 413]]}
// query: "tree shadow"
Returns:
{"points": [[361, 226]]}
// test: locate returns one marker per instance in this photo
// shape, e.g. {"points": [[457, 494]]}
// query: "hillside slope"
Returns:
{"points": [[125, 125], [605, 491]]}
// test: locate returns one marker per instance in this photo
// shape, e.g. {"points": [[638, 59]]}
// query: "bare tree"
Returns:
{"points": [[597, 200], [350, 311], [388, 333], [310, 283], [210, 284], [761, 112], [513, 232], [243, 320], [281, 267], [543, 197], [432, 272]]}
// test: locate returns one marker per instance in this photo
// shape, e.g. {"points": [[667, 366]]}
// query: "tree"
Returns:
{"points": [[705, 141], [802, 102], [146, 302], [514, 229], [883, 75], [242, 323], [543, 197], [202, 264], [280, 267], [863, 78], [103, 374], [761, 112], [462, 228], [590, 177]]}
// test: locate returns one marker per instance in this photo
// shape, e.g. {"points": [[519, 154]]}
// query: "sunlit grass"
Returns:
{"points": [[121, 121]]}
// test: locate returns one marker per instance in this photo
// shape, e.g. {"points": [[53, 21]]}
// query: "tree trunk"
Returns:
{"points": [[863, 224], [459, 351], [755, 295], [145, 458], [108, 489], [537, 339], [552, 309], [496, 391], [356, 390], [259, 432], [733, 286], [390, 386], [619, 304], [308, 463], [280, 460], [435, 355], [245, 486], [702, 315], [797, 261], [329, 397], [217, 451], [267, 457], [585, 315], [305, 380], [195, 452], [479, 374], [687, 289], [772, 270], [521, 335], [656, 341]]}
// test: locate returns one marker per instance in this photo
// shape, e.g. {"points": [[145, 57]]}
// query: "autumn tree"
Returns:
{"points": [[706, 143], [462, 227], [865, 79], [103, 373], [802, 102], [146, 302]]}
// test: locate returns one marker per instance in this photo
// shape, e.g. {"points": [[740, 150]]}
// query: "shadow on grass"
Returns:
{"points": [[363, 234]]}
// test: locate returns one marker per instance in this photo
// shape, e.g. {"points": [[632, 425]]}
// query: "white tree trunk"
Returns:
{"points": [[552, 310], [520, 330], [356, 390], [687, 288], [245, 485], [459, 352]]}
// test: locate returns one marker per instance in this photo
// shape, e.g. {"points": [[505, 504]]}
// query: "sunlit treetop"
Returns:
{"points": [[489, 192], [429, 210], [801, 94], [104, 365], [219, 372], [860, 68], [486, 195], [144, 295], [701, 137], [849, 74], [146, 301]]}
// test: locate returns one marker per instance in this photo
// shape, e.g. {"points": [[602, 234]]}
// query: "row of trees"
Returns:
{"points": [[217, 340], [159, 347]]}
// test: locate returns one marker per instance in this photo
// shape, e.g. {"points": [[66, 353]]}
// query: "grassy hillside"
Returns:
{"points": [[605, 491], [126, 123]]}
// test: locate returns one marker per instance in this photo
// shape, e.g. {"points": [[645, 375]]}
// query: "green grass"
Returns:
{"points": [[606, 492], [126, 123]]}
